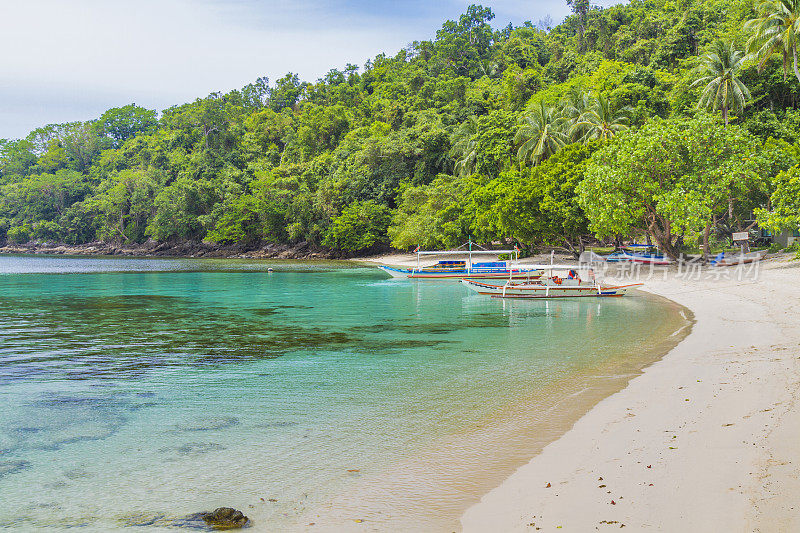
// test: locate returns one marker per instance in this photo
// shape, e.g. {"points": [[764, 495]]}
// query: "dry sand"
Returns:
{"points": [[707, 439]]}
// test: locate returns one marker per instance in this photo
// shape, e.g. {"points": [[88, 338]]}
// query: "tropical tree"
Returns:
{"points": [[122, 123], [542, 134], [361, 225], [432, 215], [774, 31], [573, 105], [669, 179], [465, 142], [785, 202], [602, 120], [723, 89], [581, 10], [537, 205]]}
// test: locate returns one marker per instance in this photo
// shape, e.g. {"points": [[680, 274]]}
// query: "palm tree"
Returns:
{"points": [[602, 120], [723, 90], [541, 135], [574, 104], [775, 30], [465, 143]]}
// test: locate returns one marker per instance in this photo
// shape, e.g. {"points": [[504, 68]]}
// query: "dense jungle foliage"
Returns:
{"points": [[672, 118]]}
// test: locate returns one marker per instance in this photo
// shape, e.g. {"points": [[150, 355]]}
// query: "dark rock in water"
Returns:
{"points": [[226, 518], [221, 519]]}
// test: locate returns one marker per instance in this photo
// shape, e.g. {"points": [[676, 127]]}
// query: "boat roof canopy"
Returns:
{"points": [[561, 267], [463, 252]]}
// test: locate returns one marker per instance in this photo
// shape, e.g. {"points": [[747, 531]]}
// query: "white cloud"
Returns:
{"points": [[158, 53]]}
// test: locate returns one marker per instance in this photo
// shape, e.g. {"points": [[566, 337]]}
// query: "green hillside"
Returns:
{"points": [[540, 136]]}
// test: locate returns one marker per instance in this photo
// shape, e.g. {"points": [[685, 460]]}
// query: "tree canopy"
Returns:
{"points": [[525, 133]]}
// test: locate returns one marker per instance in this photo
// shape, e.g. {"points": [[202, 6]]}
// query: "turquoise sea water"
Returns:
{"points": [[134, 392]]}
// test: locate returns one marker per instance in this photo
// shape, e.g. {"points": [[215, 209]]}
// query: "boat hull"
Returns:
{"points": [[650, 261], [741, 259], [548, 291], [642, 259], [395, 272]]}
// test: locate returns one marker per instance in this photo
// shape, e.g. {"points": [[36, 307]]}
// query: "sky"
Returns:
{"points": [[69, 60]]}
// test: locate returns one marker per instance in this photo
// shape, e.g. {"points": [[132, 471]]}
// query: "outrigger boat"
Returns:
{"points": [[738, 259], [552, 285], [466, 268], [639, 253]]}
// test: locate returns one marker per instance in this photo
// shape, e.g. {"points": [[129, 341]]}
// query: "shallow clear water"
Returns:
{"points": [[134, 392]]}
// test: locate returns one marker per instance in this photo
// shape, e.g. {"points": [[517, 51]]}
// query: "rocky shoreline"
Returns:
{"points": [[301, 250]]}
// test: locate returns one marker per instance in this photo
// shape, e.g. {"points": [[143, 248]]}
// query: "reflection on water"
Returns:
{"points": [[137, 392]]}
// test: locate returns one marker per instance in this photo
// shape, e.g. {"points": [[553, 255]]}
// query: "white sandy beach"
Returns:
{"points": [[707, 439]]}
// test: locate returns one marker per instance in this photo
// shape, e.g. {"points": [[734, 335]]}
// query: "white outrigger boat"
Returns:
{"points": [[551, 285], [466, 268]]}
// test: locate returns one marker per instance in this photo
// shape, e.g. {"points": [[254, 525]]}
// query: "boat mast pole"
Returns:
{"points": [[469, 265], [596, 282]]}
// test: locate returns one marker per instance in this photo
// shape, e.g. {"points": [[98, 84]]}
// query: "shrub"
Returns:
{"points": [[46, 230], [360, 225], [19, 234]]}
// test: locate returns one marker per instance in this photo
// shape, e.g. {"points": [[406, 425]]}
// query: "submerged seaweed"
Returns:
{"points": [[208, 423], [10, 467], [142, 520], [279, 424], [124, 337], [62, 419], [198, 448]]}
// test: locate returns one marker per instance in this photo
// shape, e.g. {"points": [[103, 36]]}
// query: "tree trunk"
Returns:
{"points": [[725, 115], [665, 245], [706, 244], [571, 248], [794, 54], [664, 240]]}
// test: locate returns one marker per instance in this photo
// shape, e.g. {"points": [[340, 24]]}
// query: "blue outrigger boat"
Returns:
{"points": [[465, 268], [639, 253]]}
